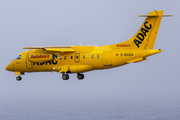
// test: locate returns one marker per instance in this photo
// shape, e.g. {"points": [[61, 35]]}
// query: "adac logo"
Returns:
{"points": [[123, 45], [50, 62], [39, 56], [140, 36]]}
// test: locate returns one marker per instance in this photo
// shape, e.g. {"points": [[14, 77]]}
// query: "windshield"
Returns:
{"points": [[18, 57]]}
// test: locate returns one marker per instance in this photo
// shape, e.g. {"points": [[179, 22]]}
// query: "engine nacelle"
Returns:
{"points": [[40, 57]]}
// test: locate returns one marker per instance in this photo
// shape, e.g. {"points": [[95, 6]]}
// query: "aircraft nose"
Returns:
{"points": [[9, 67]]}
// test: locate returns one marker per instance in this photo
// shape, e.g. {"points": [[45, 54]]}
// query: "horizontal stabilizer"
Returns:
{"points": [[154, 15]]}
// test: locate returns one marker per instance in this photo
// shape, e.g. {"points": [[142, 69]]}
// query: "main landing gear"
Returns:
{"points": [[65, 76], [80, 76], [18, 78]]}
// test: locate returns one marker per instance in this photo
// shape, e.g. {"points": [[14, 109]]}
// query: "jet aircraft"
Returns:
{"points": [[80, 59]]}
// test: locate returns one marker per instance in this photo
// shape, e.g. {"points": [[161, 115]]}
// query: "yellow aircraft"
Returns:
{"points": [[80, 59]]}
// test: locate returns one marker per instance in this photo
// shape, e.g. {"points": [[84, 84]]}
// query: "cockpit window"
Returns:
{"points": [[18, 57]]}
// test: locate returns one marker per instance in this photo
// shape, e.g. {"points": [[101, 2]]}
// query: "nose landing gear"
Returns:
{"points": [[18, 78]]}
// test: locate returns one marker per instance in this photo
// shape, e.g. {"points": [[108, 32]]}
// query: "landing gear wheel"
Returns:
{"points": [[18, 78], [65, 76], [80, 76]]}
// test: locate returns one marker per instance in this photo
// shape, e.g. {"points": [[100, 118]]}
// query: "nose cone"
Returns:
{"points": [[10, 67]]}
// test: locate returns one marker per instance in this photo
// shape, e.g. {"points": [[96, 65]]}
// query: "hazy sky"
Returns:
{"points": [[90, 22]]}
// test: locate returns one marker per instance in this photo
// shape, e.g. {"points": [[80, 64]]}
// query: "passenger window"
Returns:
{"points": [[92, 56], [71, 57], [83, 56], [65, 57], [97, 56], [18, 57], [60, 57]]}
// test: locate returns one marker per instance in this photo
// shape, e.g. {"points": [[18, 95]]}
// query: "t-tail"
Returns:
{"points": [[143, 41], [146, 36]]}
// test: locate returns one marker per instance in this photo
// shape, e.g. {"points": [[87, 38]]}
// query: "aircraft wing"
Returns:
{"points": [[53, 48]]}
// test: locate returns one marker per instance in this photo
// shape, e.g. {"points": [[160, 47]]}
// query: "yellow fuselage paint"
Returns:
{"points": [[85, 58], [79, 59]]}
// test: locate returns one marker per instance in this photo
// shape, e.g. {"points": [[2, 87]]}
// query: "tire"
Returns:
{"points": [[18, 78], [80, 76], [65, 77]]}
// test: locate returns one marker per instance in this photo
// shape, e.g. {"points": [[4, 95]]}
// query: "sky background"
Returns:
{"points": [[93, 22]]}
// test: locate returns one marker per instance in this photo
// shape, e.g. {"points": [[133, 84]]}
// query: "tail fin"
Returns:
{"points": [[146, 36]]}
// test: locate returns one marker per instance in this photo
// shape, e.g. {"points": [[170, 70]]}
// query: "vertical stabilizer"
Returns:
{"points": [[146, 35]]}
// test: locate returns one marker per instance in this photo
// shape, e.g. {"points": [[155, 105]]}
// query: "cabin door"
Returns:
{"points": [[77, 57], [28, 63], [107, 58]]}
